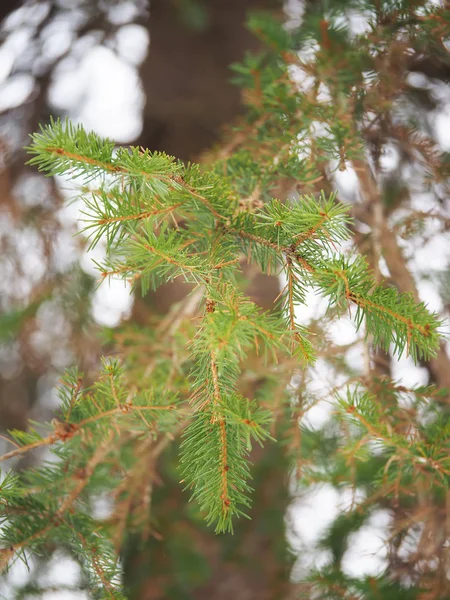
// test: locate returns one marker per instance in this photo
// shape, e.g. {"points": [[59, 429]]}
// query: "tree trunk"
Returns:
{"points": [[187, 74]]}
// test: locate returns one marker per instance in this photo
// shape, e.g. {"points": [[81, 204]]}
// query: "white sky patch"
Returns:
{"points": [[65, 595], [53, 329], [355, 357], [423, 202], [304, 81], [33, 14], [70, 190], [322, 383], [123, 12], [103, 93], [342, 331], [66, 250], [382, 265], [6, 63], [309, 560], [102, 507], [62, 22], [315, 307], [316, 417], [429, 294], [89, 257], [323, 93], [15, 91], [318, 129], [313, 512], [61, 570], [132, 43], [112, 302], [309, 50], [294, 10], [81, 47], [24, 60], [57, 42], [410, 541], [106, 109], [349, 498], [48, 385], [18, 41], [31, 189], [359, 23], [407, 373], [442, 127], [418, 80], [428, 252], [19, 572], [30, 250], [367, 552], [390, 158], [434, 253], [346, 181], [67, 88]]}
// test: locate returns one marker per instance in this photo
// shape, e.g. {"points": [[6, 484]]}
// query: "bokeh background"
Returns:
{"points": [[155, 76]]}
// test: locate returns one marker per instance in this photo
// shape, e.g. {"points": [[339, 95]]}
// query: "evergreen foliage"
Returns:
{"points": [[163, 220]]}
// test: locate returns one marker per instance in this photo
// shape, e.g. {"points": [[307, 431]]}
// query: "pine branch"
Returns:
{"points": [[303, 236], [163, 220]]}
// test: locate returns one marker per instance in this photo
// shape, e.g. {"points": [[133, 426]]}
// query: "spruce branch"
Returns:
{"points": [[163, 220], [142, 243], [188, 374]]}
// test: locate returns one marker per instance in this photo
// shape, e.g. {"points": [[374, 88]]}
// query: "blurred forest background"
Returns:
{"points": [[158, 76]]}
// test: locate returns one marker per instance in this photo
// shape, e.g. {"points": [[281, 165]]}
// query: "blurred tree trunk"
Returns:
{"points": [[189, 100], [186, 76]]}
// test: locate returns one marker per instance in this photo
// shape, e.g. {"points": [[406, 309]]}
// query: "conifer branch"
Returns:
{"points": [[67, 430], [163, 220], [302, 236]]}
